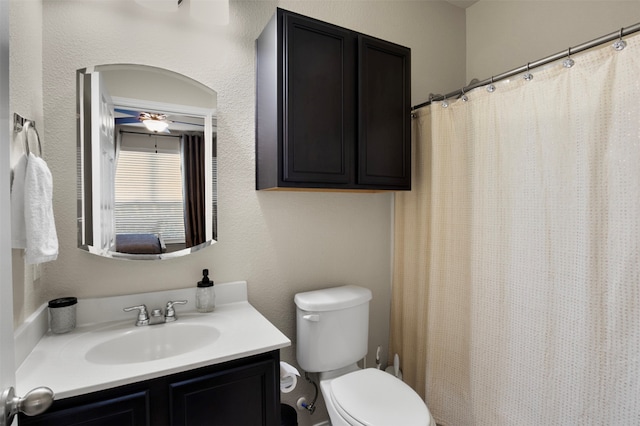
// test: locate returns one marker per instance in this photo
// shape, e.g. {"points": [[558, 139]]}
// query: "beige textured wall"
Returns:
{"points": [[280, 242], [26, 94], [506, 34]]}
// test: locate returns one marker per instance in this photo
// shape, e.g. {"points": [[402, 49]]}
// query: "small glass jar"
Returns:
{"points": [[205, 296], [205, 299]]}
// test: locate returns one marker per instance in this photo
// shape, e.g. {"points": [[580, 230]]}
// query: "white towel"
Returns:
{"points": [[18, 170], [18, 229], [42, 240]]}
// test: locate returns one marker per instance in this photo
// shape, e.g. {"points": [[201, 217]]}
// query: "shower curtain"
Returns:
{"points": [[516, 291]]}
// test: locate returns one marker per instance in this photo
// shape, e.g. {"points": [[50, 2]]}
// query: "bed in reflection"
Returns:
{"points": [[140, 244]]}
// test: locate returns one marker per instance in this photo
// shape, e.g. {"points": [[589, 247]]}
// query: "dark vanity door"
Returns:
{"points": [[384, 105], [242, 395], [320, 92], [111, 408]]}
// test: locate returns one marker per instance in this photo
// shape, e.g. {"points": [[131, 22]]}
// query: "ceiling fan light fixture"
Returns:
{"points": [[155, 125]]}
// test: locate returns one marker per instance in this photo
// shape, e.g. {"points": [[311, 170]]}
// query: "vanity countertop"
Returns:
{"points": [[60, 362]]}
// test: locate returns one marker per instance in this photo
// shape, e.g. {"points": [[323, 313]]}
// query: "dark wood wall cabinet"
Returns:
{"points": [[333, 108], [241, 392]]}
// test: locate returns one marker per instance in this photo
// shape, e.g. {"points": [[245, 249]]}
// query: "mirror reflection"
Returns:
{"points": [[146, 162]]}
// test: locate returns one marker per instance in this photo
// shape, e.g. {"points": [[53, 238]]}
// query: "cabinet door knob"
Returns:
{"points": [[33, 403]]}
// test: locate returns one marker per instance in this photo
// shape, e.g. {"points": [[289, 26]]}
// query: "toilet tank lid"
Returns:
{"points": [[331, 299]]}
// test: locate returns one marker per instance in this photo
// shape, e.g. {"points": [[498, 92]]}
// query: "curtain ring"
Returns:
{"points": [[464, 96], [568, 63], [620, 43], [491, 87], [527, 75]]}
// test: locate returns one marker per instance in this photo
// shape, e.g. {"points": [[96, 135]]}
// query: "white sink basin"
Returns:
{"points": [[153, 342]]}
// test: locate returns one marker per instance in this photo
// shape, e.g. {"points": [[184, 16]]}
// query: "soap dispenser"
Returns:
{"points": [[205, 297]]}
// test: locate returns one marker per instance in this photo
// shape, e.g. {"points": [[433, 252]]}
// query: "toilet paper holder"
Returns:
{"points": [[288, 377]]}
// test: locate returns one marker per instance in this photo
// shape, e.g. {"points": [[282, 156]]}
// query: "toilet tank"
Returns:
{"points": [[332, 327]]}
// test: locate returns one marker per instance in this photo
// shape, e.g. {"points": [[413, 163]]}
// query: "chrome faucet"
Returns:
{"points": [[143, 314], [170, 313], [156, 316]]}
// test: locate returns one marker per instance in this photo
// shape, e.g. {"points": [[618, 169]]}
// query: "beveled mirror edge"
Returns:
{"points": [[162, 256]]}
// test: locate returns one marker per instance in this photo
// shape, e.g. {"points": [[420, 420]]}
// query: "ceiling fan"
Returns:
{"points": [[158, 122]]}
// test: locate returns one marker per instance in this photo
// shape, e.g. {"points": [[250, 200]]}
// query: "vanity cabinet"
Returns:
{"points": [[333, 108], [240, 392]]}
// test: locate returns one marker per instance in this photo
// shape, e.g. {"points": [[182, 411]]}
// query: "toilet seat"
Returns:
{"points": [[372, 397]]}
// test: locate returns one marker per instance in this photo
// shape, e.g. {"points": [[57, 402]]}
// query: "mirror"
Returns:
{"points": [[147, 181]]}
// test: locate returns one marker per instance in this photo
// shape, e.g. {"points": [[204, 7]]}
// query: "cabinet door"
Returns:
{"points": [[244, 395], [384, 134], [320, 94], [124, 410]]}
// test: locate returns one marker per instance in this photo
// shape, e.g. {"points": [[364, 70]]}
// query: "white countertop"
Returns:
{"points": [[58, 361]]}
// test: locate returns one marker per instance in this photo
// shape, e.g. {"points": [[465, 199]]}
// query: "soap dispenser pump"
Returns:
{"points": [[205, 297]]}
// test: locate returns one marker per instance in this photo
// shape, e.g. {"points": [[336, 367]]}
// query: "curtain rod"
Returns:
{"points": [[149, 134], [540, 62]]}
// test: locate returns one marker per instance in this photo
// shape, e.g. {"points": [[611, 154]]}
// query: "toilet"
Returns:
{"points": [[332, 336]]}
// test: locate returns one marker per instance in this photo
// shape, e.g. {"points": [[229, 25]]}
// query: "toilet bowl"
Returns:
{"points": [[373, 397], [332, 335]]}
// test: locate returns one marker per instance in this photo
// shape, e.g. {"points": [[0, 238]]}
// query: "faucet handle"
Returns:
{"points": [[143, 315], [170, 313]]}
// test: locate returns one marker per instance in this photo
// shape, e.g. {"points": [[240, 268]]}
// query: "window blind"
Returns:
{"points": [[149, 193]]}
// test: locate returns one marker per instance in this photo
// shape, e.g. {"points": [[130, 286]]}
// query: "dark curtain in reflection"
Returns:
{"points": [[194, 192]]}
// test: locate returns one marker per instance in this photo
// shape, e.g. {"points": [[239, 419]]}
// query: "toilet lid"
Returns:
{"points": [[373, 397]]}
